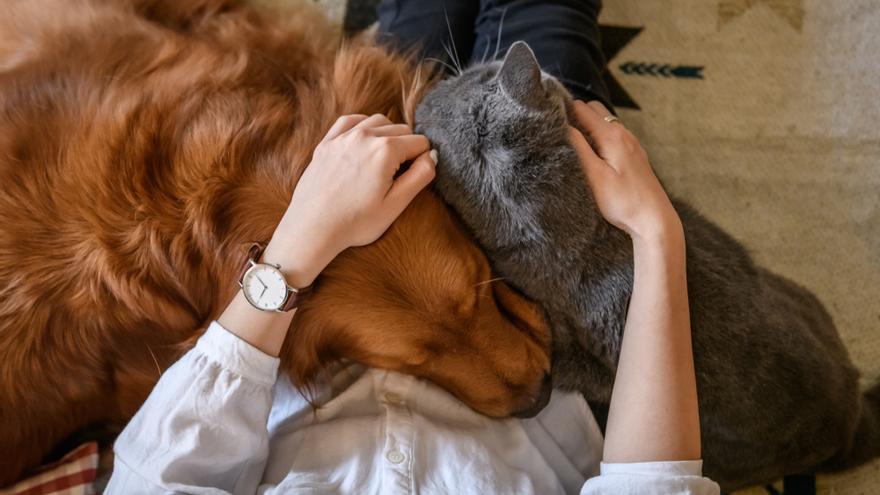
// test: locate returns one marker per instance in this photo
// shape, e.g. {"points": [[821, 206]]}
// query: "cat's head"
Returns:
{"points": [[501, 130]]}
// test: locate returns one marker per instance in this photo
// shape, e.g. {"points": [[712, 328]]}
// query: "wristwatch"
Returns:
{"points": [[264, 285]]}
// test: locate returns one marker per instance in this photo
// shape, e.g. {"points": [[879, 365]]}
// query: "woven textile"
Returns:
{"points": [[74, 474]]}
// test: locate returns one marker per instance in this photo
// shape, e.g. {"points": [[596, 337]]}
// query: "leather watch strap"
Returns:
{"points": [[294, 296], [253, 254]]}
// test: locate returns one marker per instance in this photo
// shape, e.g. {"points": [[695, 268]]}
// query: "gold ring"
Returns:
{"points": [[612, 119]]}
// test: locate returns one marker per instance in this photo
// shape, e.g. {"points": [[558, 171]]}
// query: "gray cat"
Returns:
{"points": [[778, 393]]}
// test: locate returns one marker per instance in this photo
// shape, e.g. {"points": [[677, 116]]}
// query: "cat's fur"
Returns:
{"points": [[778, 393]]}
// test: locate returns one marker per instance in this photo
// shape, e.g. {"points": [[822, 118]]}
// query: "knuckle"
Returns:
{"points": [[385, 154], [425, 166], [632, 144], [614, 136], [346, 119], [639, 151], [381, 149], [321, 149], [619, 131]]}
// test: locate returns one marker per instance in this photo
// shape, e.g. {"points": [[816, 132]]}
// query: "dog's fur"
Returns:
{"points": [[143, 145]]}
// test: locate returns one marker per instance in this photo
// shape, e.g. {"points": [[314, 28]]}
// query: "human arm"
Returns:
{"points": [[652, 437], [347, 196], [653, 414], [203, 428]]}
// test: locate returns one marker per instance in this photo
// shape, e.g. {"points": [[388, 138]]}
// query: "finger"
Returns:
{"points": [[606, 114], [408, 185], [595, 168], [375, 120], [342, 125], [391, 130], [591, 121], [599, 108], [409, 147], [607, 138]]}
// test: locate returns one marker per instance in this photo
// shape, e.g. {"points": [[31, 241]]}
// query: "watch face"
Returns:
{"points": [[264, 287]]}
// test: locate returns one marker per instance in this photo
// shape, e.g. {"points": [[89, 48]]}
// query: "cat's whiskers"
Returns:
{"points": [[456, 70], [498, 40], [155, 361], [485, 53], [433, 59], [455, 58], [571, 82], [491, 280]]}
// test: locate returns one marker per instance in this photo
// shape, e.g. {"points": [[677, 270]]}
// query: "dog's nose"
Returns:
{"points": [[540, 401]]}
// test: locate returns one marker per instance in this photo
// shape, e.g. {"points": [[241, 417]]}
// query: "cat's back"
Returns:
{"points": [[756, 334]]}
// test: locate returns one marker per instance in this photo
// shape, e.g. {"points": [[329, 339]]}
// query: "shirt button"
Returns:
{"points": [[395, 457], [392, 398]]}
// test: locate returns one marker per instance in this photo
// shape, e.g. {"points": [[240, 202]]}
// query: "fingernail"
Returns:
{"points": [[433, 155]]}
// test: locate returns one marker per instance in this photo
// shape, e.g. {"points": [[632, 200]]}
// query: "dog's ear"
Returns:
{"points": [[182, 15]]}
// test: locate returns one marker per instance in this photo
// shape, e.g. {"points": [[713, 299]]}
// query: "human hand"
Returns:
{"points": [[348, 195], [626, 190]]}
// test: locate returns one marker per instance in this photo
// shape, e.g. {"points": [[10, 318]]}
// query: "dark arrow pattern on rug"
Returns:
{"points": [[664, 70]]}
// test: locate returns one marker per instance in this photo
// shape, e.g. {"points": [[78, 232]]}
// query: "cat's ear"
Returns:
{"points": [[520, 75]]}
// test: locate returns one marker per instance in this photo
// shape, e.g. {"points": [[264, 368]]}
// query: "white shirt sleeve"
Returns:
{"points": [[666, 478], [203, 428]]}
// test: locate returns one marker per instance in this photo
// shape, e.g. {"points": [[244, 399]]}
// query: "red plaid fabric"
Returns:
{"points": [[74, 474]]}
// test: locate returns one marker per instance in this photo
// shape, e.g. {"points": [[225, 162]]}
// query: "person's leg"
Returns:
{"points": [[564, 34], [436, 29]]}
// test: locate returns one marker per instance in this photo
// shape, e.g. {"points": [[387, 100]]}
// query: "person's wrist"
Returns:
{"points": [[664, 232], [302, 253]]}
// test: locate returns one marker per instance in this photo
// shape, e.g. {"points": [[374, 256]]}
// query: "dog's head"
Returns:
{"points": [[187, 149], [423, 300]]}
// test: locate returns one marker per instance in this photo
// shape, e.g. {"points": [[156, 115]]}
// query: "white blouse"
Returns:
{"points": [[222, 421]]}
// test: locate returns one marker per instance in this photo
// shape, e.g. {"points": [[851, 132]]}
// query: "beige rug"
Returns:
{"points": [[778, 142]]}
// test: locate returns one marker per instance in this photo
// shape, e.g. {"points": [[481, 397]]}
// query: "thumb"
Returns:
{"points": [[595, 168], [410, 183]]}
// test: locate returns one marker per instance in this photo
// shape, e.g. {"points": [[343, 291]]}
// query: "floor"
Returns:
{"points": [[763, 114]]}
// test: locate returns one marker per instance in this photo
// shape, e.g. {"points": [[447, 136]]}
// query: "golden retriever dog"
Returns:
{"points": [[143, 145]]}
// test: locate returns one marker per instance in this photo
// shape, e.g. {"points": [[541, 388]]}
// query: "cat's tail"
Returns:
{"points": [[865, 442]]}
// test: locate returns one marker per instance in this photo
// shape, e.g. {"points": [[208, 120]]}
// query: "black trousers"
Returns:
{"points": [[564, 34]]}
